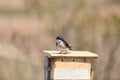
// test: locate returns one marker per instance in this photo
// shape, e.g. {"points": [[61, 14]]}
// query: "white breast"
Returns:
{"points": [[60, 44]]}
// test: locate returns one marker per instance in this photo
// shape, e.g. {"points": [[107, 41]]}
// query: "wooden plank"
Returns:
{"points": [[71, 69], [47, 66], [73, 74], [71, 63], [84, 54]]}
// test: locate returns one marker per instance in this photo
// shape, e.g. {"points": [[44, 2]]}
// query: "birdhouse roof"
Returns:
{"points": [[81, 54]]}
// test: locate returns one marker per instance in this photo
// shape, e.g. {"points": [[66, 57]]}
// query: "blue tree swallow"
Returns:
{"points": [[62, 45]]}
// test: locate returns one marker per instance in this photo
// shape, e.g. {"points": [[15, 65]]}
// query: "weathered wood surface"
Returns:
{"points": [[84, 54], [75, 65], [71, 68], [71, 63], [47, 66]]}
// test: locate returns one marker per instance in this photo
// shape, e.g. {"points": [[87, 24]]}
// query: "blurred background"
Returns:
{"points": [[27, 27]]}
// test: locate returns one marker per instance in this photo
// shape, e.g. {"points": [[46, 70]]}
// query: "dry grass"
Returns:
{"points": [[86, 25]]}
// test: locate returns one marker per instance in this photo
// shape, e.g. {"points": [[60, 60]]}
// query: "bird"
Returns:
{"points": [[62, 45]]}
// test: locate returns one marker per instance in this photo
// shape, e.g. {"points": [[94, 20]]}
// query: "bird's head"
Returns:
{"points": [[59, 37]]}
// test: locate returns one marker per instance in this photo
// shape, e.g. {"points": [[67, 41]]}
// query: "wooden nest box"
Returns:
{"points": [[75, 65]]}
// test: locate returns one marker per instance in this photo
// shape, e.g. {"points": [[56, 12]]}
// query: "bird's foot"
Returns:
{"points": [[64, 52]]}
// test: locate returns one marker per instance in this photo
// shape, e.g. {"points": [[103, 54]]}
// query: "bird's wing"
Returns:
{"points": [[67, 45]]}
